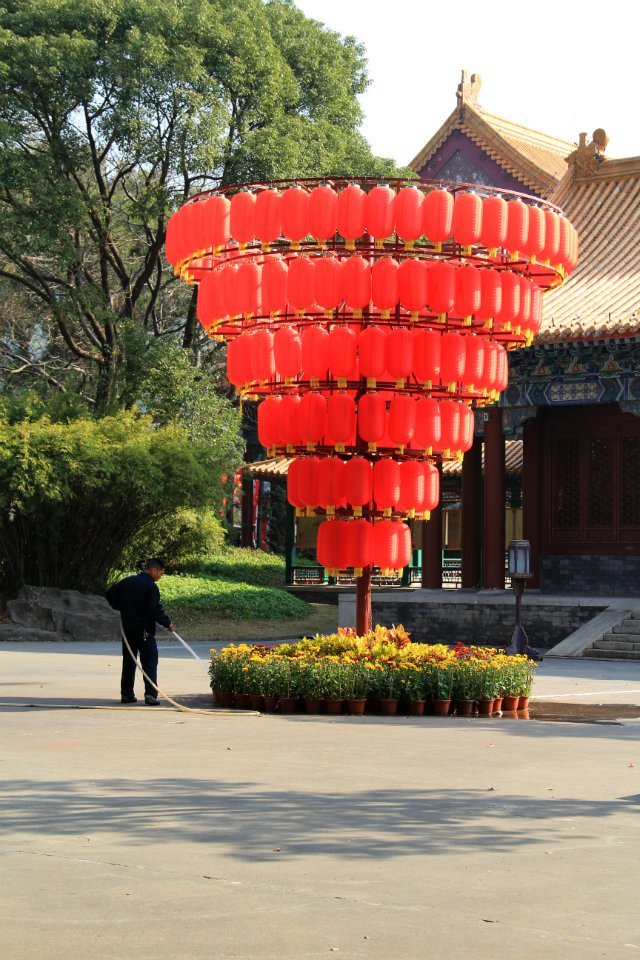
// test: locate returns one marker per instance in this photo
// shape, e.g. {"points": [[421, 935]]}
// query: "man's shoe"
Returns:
{"points": [[152, 701], [128, 699]]}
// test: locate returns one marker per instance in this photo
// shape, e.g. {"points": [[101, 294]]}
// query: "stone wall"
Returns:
{"points": [[475, 622], [599, 576]]}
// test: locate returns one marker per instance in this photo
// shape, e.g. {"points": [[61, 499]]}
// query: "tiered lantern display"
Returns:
{"points": [[369, 318]]}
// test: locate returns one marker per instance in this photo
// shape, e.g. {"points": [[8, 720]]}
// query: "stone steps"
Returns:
{"points": [[612, 653], [628, 626]]}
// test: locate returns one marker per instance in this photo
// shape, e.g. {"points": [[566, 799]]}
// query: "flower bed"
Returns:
{"points": [[377, 669]]}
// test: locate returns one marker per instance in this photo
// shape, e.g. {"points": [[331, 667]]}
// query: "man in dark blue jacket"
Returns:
{"points": [[137, 598]]}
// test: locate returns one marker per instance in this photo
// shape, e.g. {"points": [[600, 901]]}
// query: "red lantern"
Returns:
{"points": [[490, 295], [343, 344], [573, 249], [380, 215], [490, 373], [315, 353], [230, 289], [400, 355], [358, 544], [290, 420], [517, 226], [452, 363], [372, 353], [412, 487], [401, 421], [329, 547], [312, 418], [268, 216], [427, 430], [413, 285], [211, 304], [263, 364], [214, 222], [409, 213], [467, 425], [551, 236], [474, 362], [358, 483], [534, 246], [293, 491], [432, 487], [524, 314], [503, 371], [442, 287], [275, 274], [249, 287], [308, 481], [301, 283], [437, 216], [268, 422], [386, 484], [330, 483], [239, 360], [494, 224], [510, 299], [388, 544], [467, 219], [328, 282], [287, 350], [341, 420], [356, 278], [243, 217], [468, 296], [384, 284], [449, 426], [323, 212], [536, 310], [372, 418], [295, 214], [426, 356], [351, 213]]}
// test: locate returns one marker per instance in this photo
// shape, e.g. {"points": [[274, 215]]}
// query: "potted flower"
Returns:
{"points": [[441, 686]]}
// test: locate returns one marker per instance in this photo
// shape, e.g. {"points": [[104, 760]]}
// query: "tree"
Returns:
{"points": [[111, 115]]}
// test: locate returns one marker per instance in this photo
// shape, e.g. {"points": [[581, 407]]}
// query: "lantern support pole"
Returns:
{"points": [[363, 602]]}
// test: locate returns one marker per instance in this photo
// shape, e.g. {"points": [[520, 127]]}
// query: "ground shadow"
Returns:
{"points": [[248, 822]]}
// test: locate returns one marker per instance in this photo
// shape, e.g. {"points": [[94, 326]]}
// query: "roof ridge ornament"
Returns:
{"points": [[468, 90], [587, 157]]}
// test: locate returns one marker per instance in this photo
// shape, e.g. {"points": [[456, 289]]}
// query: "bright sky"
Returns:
{"points": [[560, 67]]}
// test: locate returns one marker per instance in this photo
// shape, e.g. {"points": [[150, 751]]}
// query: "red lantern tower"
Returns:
{"points": [[367, 319]]}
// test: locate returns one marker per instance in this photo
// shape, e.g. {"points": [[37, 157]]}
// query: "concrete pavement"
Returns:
{"points": [[145, 832]]}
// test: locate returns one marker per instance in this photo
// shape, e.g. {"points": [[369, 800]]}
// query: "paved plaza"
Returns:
{"points": [[136, 832]]}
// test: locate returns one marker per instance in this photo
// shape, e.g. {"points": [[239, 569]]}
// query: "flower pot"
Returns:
{"points": [[485, 707], [510, 703], [497, 704], [242, 701], [333, 707], [312, 704], [416, 708], [464, 708], [224, 698], [356, 706], [440, 708], [257, 702], [523, 703], [389, 708], [287, 704], [270, 703]]}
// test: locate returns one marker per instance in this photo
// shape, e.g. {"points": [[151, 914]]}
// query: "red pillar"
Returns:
{"points": [[363, 602], [494, 501], [247, 515], [531, 492], [432, 547], [472, 514]]}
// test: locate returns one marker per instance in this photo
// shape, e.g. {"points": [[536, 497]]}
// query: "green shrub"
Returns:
{"points": [[73, 495], [199, 595], [244, 565], [185, 538]]}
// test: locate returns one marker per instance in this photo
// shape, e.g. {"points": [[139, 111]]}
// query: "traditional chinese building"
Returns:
{"points": [[574, 396]]}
